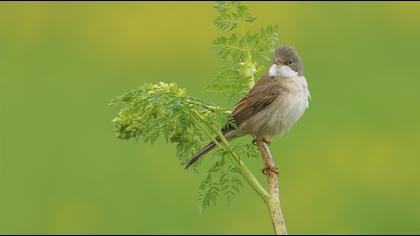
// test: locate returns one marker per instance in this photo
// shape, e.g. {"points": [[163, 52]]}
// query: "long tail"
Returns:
{"points": [[200, 154], [229, 135]]}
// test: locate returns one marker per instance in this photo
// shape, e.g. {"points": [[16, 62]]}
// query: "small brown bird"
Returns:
{"points": [[272, 106]]}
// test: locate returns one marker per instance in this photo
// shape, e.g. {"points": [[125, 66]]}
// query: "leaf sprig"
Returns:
{"points": [[165, 110], [242, 53], [223, 178]]}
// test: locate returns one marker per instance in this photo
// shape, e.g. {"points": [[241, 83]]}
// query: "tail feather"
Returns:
{"points": [[229, 135], [200, 154]]}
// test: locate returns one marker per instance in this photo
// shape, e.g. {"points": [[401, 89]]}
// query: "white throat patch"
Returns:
{"points": [[281, 71]]}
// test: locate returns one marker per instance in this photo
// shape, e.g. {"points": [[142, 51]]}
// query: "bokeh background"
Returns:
{"points": [[351, 165]]}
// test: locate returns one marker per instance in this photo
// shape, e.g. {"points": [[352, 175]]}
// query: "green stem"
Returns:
{"points": [[200, 121], [272, 197], [246, 173], [208, 107], [249, 59], [249, 177]]}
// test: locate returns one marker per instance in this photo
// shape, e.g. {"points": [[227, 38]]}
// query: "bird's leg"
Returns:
{"points": [[265, 140], [269, 166]]}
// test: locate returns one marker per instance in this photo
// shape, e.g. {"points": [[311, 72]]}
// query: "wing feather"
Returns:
{"points": [[265, 91], [263, 94], [251, 105]]}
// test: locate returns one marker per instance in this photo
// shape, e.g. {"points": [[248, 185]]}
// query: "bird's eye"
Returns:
{"points": [[289, 61]]}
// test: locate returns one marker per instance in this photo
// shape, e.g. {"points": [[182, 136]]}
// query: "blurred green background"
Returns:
{"points": [[351, 165]]}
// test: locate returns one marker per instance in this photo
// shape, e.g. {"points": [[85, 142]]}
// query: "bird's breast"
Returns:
{"points": [[284, 112], [289, 106]]}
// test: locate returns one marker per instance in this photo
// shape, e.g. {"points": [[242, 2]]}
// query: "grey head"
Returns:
{"points": [[287, 55]]}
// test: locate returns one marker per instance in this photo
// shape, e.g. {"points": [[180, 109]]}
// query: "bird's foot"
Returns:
{"points": [[268, 169], [266, 141], [254, 141]]}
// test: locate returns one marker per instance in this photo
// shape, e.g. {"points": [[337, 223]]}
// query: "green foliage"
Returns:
{"points": [[231, 15], [224, 178], [209, 191], [242, 53], [164, 110]]}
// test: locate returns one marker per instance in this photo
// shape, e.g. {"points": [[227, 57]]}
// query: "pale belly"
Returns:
{"points": [[282, 114]]}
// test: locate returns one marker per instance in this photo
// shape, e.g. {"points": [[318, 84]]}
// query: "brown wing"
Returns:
{"points": [[251, 105], [264, 92]]}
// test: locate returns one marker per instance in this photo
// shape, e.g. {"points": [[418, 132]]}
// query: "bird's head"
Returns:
{"points": [[286, 63]]}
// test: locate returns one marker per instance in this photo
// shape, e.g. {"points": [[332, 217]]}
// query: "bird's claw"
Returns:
{"points": [[268, 169], [255, 142], [266, 141]]}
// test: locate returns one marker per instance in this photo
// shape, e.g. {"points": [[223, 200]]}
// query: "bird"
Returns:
{"points": [[272, 106]]}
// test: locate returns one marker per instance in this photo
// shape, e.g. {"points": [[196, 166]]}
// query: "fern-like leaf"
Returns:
{"points": [[209, 190]]}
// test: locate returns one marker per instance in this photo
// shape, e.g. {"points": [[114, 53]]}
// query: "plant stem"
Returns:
{"points": [[249, 177], [246, 173], [273, 200], [272, 197], [249, 56]]}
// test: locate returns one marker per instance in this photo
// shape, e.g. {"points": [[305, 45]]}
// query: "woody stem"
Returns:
{"points": [[273, 199]]}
